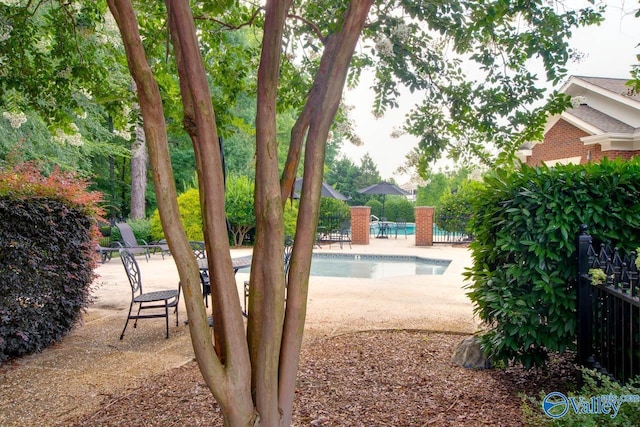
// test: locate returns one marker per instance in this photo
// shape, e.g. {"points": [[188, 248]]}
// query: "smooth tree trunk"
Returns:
{"points": [[156, 135], [139, 161], [252, 374], [232, 389], [318, 113]]}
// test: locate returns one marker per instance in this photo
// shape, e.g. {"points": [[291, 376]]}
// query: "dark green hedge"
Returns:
{"points": [[525, 224], [46, 260]]}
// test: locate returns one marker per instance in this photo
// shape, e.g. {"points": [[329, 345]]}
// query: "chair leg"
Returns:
{"points": [[166, 316], [245, 312], [127, 322], [135, 324]]}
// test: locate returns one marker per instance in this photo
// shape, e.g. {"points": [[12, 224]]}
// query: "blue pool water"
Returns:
{"points": [[411, 229], [374, 266]]}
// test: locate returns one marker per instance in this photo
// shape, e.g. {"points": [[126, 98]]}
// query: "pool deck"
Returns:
{"points": [[336, 304]]}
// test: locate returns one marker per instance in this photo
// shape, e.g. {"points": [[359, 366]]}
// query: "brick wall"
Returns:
{"points": [[360, 217], [563, 141], [424, 225]]}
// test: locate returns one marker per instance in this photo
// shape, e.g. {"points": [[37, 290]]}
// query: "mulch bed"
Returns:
{"points": [[375, 378]]}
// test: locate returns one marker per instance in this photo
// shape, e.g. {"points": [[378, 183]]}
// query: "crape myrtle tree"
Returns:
{"points": [[253, 376], [415, 44]]}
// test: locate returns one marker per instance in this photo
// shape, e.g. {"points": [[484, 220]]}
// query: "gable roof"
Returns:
{"points": [[607, 105], [599, 120], [605, 108], [613, 85]]}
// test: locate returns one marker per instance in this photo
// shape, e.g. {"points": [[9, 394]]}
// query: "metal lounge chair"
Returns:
{"points": [[106, 252], [159, 301], [130, 242]]}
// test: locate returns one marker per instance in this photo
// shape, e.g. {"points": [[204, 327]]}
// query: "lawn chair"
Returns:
{"points": [[129, 241], [199, 252], [158, 300], [106, 252], [288, 247]]}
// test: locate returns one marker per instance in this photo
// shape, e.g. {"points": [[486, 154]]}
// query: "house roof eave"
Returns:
{"points": [[579, 82], [614, 141], [581, 124]]}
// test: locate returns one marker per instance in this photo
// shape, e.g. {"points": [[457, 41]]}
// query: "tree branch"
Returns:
{"points": [[314, 28]]}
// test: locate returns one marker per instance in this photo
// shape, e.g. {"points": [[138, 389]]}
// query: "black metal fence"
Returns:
{"points": [[608, 309], [450, 228]]}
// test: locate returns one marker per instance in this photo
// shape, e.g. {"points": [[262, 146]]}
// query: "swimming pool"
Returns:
{"points": [[374, 228], [374, 266]]}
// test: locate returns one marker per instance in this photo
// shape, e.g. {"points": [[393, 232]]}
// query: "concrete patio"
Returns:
{"points": [[336, 304]]}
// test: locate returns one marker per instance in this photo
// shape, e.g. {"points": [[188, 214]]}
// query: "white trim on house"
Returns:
{"points": [[613, 141], [577, 86], [565, 161]]}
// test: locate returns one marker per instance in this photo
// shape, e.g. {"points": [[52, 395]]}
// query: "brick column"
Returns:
{"points": [[424, 225], [360, 217]]}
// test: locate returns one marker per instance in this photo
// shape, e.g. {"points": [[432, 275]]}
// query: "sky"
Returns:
{"points": [[610, 50]]}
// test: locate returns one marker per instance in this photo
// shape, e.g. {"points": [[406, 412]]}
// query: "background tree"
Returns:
{"points": [[440, 183], [455, 208], [342, 176], [239, 207]]}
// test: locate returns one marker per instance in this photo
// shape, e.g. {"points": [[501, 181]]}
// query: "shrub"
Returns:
{"points": [[524, 269], [47, 255], [189, 205], [376, 207], [597, 386], [397, 207], [330, 207], [141, 229], [290, 218], [455, 208], [239, 207]]}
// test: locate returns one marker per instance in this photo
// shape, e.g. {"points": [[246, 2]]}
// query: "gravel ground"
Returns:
{"points": [[376, 378]]}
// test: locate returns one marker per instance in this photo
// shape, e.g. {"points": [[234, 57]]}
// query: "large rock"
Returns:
{"points": [[469, 355]]}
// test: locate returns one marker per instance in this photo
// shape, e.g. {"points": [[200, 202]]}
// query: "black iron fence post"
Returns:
{"points": [[584, 298]]}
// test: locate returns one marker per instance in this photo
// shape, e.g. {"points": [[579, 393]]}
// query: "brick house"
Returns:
{"points": [[604, 122]]}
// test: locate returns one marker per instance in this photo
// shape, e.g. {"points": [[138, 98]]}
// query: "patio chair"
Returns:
{"points": [[106, 252], [288, 247], [200, 253], [160, 301], [162, 246], [130, 242], [401, 225], [198, 249], [344, 233]]}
